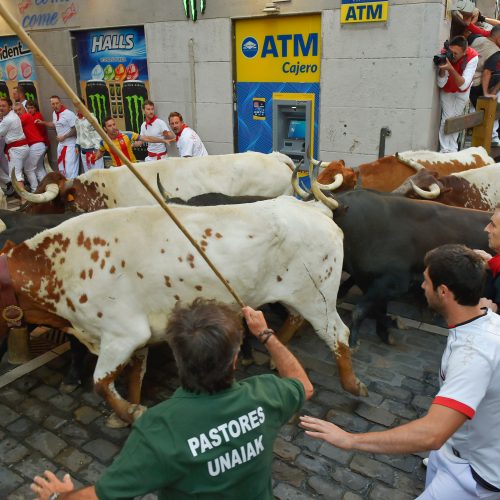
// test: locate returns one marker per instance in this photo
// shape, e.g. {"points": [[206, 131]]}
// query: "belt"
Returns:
{"points": [[87, 150], [156, 155], [476, 476]]}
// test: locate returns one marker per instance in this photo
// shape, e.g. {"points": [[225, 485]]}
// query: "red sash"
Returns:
{"points": [[62, 158], [89, 159], [158, 156], [14, 144]]}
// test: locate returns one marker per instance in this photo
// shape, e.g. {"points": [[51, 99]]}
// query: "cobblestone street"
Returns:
{"points": [[40, 428]]}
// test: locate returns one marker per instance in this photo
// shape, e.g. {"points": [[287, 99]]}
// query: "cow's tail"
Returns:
{"points": [[285, 159]]}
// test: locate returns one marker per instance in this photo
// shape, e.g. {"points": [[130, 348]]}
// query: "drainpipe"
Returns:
{"points": [[193, 83], [384, 132]]}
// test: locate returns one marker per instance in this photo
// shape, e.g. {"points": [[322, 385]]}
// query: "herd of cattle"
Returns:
{"points": [[110, 277]]}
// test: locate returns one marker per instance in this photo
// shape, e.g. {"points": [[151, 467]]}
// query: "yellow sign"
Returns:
{"points": [[280, 49], [365, 11]]}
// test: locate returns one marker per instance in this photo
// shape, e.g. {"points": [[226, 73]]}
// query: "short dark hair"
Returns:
{"points": [[459, 268], [175, 113], [147, 102], [459, 41], [7, 100], [106, 119], [55, 97], [204, 337], [32, 103], [495, 31]]}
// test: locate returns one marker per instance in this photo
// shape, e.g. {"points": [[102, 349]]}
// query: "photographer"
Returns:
{"points": [[454, 78]]}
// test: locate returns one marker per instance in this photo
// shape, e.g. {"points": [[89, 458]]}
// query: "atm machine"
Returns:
{"points": [[293, 126]]}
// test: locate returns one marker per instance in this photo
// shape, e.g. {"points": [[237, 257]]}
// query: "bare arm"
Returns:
{"points": [[168, 134], [147, 138], [71, 133], [286, 363], [427, 433], [47, 124], [485, 82], [44, 486]]}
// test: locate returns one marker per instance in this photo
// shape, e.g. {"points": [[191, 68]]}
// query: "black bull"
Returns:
{"points": [[386, 237]]}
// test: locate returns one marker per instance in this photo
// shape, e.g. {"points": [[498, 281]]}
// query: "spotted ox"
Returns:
{"points": [[477, 188], [114, 275], [234, 174], [388, 173]]}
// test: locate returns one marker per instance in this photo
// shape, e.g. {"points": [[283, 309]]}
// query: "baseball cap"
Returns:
{"points": [[464, 6]]}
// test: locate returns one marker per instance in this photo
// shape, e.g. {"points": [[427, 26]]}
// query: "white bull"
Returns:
{"points": [[234, 174], [116, 274]]}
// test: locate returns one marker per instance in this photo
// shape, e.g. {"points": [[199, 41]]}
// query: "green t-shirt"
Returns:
{"points": [[205, 446]]}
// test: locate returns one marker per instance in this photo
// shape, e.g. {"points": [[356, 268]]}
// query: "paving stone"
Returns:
{"points": [[86, 414], [288, 473], [54, 423], [422, 402], [7, 415], [371, 468], [285, 450], [102, 449], [21, 427], [341, 456], [34, 409], [377, 415], [350, 479], [325, 381], [74, 433], [25, 384], [287, 432], [21, 493], [304, 441], [72, 459], [400, 409], [92, 398], [313, 463], [11, 396], [407, 463], [9, 481], [380, 373], [12, 451], [44, 392], [63, 402], [286, 492], [46, 442], [313, 409], [33, 464], [116, 435], [381, 492], [351, 496], [408, 484], [348, 421], [326, 488], [411, 371], [391, 391], [93, 472], [339, 402]]}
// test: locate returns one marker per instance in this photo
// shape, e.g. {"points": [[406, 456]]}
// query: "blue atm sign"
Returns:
{"points": [[363, 11]]}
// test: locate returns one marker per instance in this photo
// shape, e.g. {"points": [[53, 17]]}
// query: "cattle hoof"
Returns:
{"points": [[363, 390], [69, 387], [400, 323], [390, 339], [136, 411], [115, 422]]}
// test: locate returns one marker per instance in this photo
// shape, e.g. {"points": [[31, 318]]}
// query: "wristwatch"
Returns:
{"points": [[53, 496]]}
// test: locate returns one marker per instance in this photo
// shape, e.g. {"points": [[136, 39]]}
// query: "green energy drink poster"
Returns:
{"points": [[113, 73]]}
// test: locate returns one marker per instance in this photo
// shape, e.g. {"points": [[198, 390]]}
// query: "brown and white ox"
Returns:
{"points": [[115, 275], [388, 173], [477, 188], [233, 174]]}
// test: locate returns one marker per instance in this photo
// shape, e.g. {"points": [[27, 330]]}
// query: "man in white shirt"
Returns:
{"points": [[155, 127], [463, 422], [64, 120], [88, 142], [188, 141], [16, 144], [454, 78]]}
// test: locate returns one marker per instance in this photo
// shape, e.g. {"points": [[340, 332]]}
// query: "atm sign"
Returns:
{"points": [[364, 11]]}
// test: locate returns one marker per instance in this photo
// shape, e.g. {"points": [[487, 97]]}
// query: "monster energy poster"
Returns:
{"points": [[113, 74]]}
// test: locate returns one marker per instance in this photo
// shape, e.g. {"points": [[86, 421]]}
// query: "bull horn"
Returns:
{"points": [[321, 164], [295, 183], [432, 194], [166, 197], [318, 194], [3, 226], [51, 191], [410, 163], [46, 164], [338, 179]]}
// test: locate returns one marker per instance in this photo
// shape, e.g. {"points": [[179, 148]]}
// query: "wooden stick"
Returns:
{"points": [[21, 33]]}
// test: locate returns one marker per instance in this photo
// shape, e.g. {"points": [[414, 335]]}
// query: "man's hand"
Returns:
{"points": [[44, 486], [446, 66], [255, 320], [61, 138], [484, 302], [484, 255], [331, 433]]}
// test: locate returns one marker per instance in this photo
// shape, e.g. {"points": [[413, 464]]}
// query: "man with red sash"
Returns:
{"points": [[16, 145], [124, 141], [155, 127], [63, 120], [188, 141], [454, 79]]}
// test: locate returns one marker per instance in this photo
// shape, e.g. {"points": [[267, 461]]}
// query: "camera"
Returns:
{"points": [[445, 54]]}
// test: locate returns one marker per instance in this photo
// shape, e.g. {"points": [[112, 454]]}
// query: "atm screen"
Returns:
{"points": [[297, 129]]}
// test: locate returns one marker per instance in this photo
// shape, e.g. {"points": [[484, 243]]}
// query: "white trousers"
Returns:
{"points": [[40, 166], [17, 157], [36, 153], [450, 478], [88, 165], [68, 161], [452, 104]]}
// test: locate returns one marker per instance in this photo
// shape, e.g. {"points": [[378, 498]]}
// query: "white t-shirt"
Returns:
{"points": [[67, 120], [470, 383], [11, 128], [155, 129], [189, 144]]}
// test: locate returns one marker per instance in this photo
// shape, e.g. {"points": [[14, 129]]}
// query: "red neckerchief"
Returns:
{"points": [[60, 111], [494, 265], [150, 122], [80, 115], [177, 136]]}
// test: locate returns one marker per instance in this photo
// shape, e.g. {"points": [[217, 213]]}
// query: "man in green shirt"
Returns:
{"points": [[214, 437]]}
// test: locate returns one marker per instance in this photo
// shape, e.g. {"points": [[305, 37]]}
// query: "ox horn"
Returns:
{"points": [[318, 194], [162, 190], [410, 163], [51, 191], [432, 194], [337, 180], [295, 183], [319, 163], [3, 226], [46, 164]]}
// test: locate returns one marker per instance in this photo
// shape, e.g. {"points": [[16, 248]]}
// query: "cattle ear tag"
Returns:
{"points": [[70, 197]]}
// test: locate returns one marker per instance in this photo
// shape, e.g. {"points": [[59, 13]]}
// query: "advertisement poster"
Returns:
{"points": [[17, 68], [112, 68]]}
